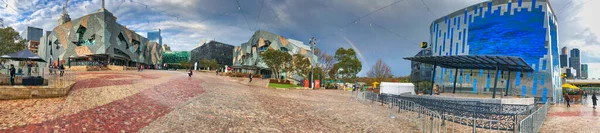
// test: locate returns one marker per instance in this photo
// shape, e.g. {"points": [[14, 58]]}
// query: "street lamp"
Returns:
{"points": [[312, 43]]}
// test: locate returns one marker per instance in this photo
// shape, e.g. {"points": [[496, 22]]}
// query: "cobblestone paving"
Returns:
{"points": [[579, 118], [169, 101]]}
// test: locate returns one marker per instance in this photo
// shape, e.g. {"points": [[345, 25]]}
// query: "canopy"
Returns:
{"points": [[486, 62], [570, 86], [23, 55]]}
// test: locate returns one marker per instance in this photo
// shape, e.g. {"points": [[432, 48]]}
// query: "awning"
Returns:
{"points": [[570, 86], [510, 63], [23, 55]]}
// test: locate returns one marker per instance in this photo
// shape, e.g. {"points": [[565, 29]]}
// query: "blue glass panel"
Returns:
{"points": [[459, 35], [544, 94], [454, 22], [533, 4], [489, 9], [474, 86], [543, 64], [451, 39], [480, 72], [542, 79], [463, 41], [465, 19], [509, 35], [520, 3], [518, 79], [487, 83], [458, 24], [444, 43], [509, 7], [451, 76], [456, 49]]}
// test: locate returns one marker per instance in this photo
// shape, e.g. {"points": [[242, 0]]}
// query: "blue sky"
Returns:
{"points": [[390, 33]]}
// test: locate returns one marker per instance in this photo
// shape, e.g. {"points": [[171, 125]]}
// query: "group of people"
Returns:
{"points": [[54, 68], [568, 99]]}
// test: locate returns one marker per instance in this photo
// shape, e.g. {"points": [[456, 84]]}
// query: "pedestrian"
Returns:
{"points": [[50, 67], [29, 65], [217, 72], [12, 74], [566, 95], [62, 69], [190, 73], [250, 76], [594, 99]]}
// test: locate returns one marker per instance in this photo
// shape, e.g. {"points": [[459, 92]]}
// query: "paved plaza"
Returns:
{"points": [[169, 101]]}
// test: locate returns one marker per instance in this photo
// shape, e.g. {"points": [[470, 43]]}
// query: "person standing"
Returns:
{"points": [[190, 72], [29, 65], [250, 76], [594, 99], [62, 69], [12, 74], [566, 95]]}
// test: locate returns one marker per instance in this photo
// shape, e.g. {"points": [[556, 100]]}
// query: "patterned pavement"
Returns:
{"points": [[169, 101], [579, 118]]}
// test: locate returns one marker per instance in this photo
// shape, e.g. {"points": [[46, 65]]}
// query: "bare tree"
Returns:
{"points": [[326, 61], [380, 71]]}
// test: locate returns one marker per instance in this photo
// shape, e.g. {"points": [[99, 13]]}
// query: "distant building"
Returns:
{"points": [[584, 71], [569, 71], [575, 61], [166, 48], [221, 52], [154, 36], [97, 38], [33, 35], [564, 62], [246, 57], [175, 57]]}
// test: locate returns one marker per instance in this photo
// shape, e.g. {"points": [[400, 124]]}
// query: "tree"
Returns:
{"points": [[277, 61], [186, 64], [348, 64], [300, 65], [209, 64], [326, 62], [380, 71], [10, 42]]}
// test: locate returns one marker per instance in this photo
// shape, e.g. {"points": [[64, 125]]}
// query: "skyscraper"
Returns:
{"points": [[154, 36], [584, 71], [33, 35], [575, 61], [563, 57]]}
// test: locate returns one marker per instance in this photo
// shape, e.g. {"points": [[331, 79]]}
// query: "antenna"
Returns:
{"points": [[102, 4]]}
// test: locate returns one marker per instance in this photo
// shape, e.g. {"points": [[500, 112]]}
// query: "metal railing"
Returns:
{"points": [[534, 121], [51, 78], [430, 120]]}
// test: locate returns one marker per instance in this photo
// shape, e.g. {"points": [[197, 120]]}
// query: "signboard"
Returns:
{"points": [[317, 84], [306, 83], [423, 44]]}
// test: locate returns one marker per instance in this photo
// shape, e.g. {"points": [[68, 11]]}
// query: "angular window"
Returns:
{"points": [[283, 49], [123, 40], [139, 49], [80, 32], [57, 43]]}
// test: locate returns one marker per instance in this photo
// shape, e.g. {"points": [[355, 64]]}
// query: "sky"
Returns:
{"points": [[386, 29]]}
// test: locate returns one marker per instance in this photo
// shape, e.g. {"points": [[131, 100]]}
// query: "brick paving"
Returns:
{"points": [[579, 118], [169, 101]]}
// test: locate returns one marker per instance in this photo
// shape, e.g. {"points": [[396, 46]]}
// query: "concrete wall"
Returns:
{"points": [[25, 92]]}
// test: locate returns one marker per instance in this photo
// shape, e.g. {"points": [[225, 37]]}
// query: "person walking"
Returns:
{"points": [[190, 72], [62, 69], [29, 65], [566, 95], [594, 99], [12, 74], [250, 76], [217, 71]]}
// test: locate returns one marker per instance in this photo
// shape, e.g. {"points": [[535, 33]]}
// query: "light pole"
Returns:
{"points": [[312, 43]]}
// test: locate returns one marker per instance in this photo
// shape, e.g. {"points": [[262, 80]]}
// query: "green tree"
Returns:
{"points": [[277, 61], [348, 64], [186, 64], [301, 65], [10, 42]]}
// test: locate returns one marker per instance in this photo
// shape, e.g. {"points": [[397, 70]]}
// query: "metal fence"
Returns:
{"points": [[52, 77], [434, 120], [534, 121]]}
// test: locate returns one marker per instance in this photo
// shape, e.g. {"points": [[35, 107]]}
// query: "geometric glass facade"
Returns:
{"points": [[521, 28]]}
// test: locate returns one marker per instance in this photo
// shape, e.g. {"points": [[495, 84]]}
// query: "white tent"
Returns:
{"points": [[397, 88]]}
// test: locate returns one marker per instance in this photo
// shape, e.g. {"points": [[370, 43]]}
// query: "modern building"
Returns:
{"points": [[246, 57], [175, 57], [575, 61], [97, 38], [154, 36], [526, 29], [564, 62], [420, 74], [219, 51], [569, 71], [33, 36], [584, 71], [166, 48]]}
